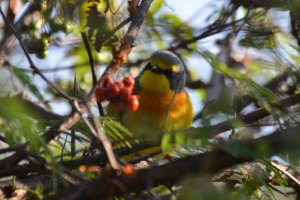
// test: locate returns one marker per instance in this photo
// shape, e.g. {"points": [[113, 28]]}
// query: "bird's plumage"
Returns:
{"points": [[164, 104]]}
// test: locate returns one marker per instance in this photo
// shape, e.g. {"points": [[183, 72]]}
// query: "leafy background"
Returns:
{"points": [[242, 63]]}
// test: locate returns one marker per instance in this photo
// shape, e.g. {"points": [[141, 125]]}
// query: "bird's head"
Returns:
{"points": [[163, 73]]}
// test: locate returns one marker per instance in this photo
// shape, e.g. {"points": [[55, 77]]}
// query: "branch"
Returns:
{"points": [[290, 4], [251, 117], [260, 171], [291, 174], [62, 125], [120, 57], [218, 26], [25, 169], [196, 84], [204, 164]]}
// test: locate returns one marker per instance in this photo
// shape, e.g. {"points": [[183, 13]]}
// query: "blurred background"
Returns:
{"points": [[240, 56]]}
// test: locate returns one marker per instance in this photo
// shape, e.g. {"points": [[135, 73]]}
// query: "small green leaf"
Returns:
{"points": [[156, 6], [39, 190], [116, 131]]}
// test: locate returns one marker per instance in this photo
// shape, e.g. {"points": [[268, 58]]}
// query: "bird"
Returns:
{"points": [[164, 104]]}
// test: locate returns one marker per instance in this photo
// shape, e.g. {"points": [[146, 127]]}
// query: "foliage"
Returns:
{"points": [[52, 130]]}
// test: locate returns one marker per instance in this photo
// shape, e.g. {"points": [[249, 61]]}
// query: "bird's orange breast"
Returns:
{"points": [[158, 111]]}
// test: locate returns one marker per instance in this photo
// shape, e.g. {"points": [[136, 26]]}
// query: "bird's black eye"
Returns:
{"points": [[171, 71]]}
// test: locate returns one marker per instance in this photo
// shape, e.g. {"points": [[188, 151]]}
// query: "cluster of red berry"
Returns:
{"points": [[119, 93]]}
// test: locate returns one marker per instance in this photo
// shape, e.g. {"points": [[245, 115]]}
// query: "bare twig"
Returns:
{"points": [[63, 148], [196, 84], [62, 125], [73, 147], [120, 57], [89, 51], [267, 3], [100, 41], [123, 23], [98, 132], [218, 26], [284, 170]]}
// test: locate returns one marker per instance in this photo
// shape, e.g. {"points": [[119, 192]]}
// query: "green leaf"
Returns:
{"points": [[116, 131], [277, 174], [39, 190], [156, 6]]}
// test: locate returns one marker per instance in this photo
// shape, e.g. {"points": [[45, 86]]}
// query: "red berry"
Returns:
{"points": [[129, 82], [135, 90], [133, 103], [101, 94], [118, 106], [106, 81], [128, 170], [125, 94], [113, 90], [120, 84]]}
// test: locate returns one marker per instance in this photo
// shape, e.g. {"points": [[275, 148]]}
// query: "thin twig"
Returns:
{"points": [[63, 148], [106, 144], [250, 117], [97, 131], [277, 190], [73, 143], [92, 64], [120, 57], [282, 4], [118, 27], [145, 157], [91, 59], [284, 171], [215, 28], [101, 41]]}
